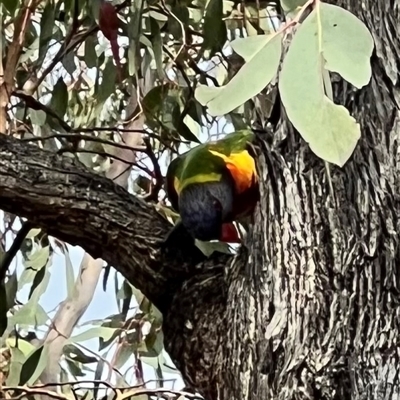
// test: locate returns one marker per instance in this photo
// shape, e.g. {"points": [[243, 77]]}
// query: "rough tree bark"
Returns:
{"points": [[309, 309], [314, 314]]}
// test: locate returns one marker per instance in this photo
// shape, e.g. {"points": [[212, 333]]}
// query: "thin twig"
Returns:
{"points": [[158, 176], [171, 14], [11, 62], [77, 137], [121, 394], [31, 102]]}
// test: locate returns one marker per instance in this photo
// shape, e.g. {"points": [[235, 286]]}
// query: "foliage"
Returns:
{"points": [[63, 92]]}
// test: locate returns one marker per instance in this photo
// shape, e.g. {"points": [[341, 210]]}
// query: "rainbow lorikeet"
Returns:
{"points": [[213, 185]]}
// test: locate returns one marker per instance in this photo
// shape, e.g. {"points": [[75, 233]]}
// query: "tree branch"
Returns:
{"points": [[91, 211]]}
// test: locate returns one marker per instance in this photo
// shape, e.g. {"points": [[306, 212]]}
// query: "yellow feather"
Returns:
{"points": [[242, 167], [200, 178]]}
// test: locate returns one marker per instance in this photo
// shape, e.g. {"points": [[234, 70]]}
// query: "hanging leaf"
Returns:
{"points": [[10, 5], [156, 41], [68, 62], [215, 33], [3, 308], [38, 117], [97, 332], [291, 5], [328, 128], [76, 354], [107, 86], [90, 57], [34, 366], [46, 30], [59, 100], [347, 45], [262, 55]]}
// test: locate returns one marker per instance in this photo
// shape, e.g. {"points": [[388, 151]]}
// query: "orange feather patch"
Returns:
{"points": [[242, 168]]}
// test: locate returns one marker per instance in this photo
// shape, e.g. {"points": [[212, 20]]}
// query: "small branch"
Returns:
{"points": [[10, 254], [76, 137], [121, 394], [153, 195], [11, 62], [69, 45], [31, 102], [102, 154], [180, 67]]}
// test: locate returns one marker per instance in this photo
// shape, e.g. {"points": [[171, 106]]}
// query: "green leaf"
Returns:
{"points": [[10, 5], [37, 281], [11, 289], [347, 45], [46, 30], [95, 9], [108, 82], [291, 5], [97, 332], [17, 360], [156, 42], [178, 12], [31, 313], [68, 62], [34, 365], [38, 117], [262, 54], [38, 259], [3, 308], [59, 100], [154, 344], [107, 270], [76, 354], [207, 248], [181, 127], [125, 353], [215, 33], [74, 368], [97, 377], [33, 233], [328, 128], [90, 52]]}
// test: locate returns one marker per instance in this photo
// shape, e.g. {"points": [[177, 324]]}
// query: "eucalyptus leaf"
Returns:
{"points": [[76, 354], [34, 365], [291, 5], [90, 52], [263, 56], [208, 248], [68, 62], [10, 5], [328, 128], [215, 33], [3, 308], [96, 332], [347, 44], [59, 100], [38, 117], [46, 30]]}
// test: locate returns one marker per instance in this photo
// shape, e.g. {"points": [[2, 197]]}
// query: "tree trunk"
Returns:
{"points": [[314, 313], [309, 308]]}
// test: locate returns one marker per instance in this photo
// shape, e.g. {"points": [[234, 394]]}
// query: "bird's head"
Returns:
{"points": [[203, 208]]}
